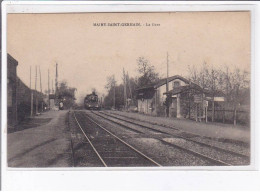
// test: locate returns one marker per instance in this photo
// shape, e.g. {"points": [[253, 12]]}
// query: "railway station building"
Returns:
{"points": [[151, 98], [185, 99]]}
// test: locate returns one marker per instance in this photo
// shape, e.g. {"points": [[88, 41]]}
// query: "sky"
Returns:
{"points": [[87, 53]]}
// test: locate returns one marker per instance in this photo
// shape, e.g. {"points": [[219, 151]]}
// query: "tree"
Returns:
{"points": [[117, 93], [235, 85], [132, 84], [66, 94], [239, 81], [213, 78], [111, 82], [147, 72], [111, 97]]}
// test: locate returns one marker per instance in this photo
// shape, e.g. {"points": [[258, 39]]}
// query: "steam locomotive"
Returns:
{"points": [[91, 102]]}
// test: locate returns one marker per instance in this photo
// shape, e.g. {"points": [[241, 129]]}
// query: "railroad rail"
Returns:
{"points": [[134, 123], [110, 149], [165, 126], [180, 136], [196, 153]]}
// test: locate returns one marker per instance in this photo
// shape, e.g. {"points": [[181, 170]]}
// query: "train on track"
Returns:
{"points": [[91, 102]]}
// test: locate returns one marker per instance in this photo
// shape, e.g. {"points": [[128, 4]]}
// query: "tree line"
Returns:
{"points": [[64, 93], [233, 84], [118, 95]]}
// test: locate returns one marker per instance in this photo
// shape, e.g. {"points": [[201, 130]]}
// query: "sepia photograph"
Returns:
{"points": [[143, 89]]}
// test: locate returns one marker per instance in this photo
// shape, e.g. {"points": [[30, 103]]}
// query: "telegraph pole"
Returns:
{"points": [[49, 88], [36, 98], [129, 85], [41, 85], [56, 85], [114, 83], [40, 78], [167, 88], [56, 80], [31, 91], [52, 86], [125, 95], [114, 95]]}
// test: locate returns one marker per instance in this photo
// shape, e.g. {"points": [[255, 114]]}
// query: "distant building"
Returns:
{"points": [[52, 98], [19, 95]]}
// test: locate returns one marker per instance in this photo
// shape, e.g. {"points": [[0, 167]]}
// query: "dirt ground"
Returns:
{"points": [[43, 141]]}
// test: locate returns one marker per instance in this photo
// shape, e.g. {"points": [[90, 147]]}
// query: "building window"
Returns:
{"points": [[176, 84]]}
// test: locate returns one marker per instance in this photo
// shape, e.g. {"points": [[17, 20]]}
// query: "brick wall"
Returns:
{"points": [[11, 90]]}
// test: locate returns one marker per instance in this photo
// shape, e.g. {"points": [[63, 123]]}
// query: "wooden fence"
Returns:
{"points": [[228, 116]]}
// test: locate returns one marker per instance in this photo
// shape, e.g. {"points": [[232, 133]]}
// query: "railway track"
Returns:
{"points": [[110, 149], [174, 128], [223, 157], [176, 135]]}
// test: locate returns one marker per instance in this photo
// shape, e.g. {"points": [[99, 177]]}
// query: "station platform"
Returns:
{"points": [[46, 144], [213, 130]]}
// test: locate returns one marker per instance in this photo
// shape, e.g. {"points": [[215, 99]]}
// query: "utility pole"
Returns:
{"points": [[125, 95], [49, 88], [167, 88], [41, 86], [114, 83], [36, 98], [129, 85], [114, 96], [56, 86], [31, 91], [56, 80], [40, 78], [52, 86]]}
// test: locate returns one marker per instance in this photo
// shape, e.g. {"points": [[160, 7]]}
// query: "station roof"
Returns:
{"points": [[163, 82], [148, 91], [177, 90], [192, 86]]}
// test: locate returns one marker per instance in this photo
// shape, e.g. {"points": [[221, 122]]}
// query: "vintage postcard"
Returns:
{"points": [[167, 89], [128, 95]]}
